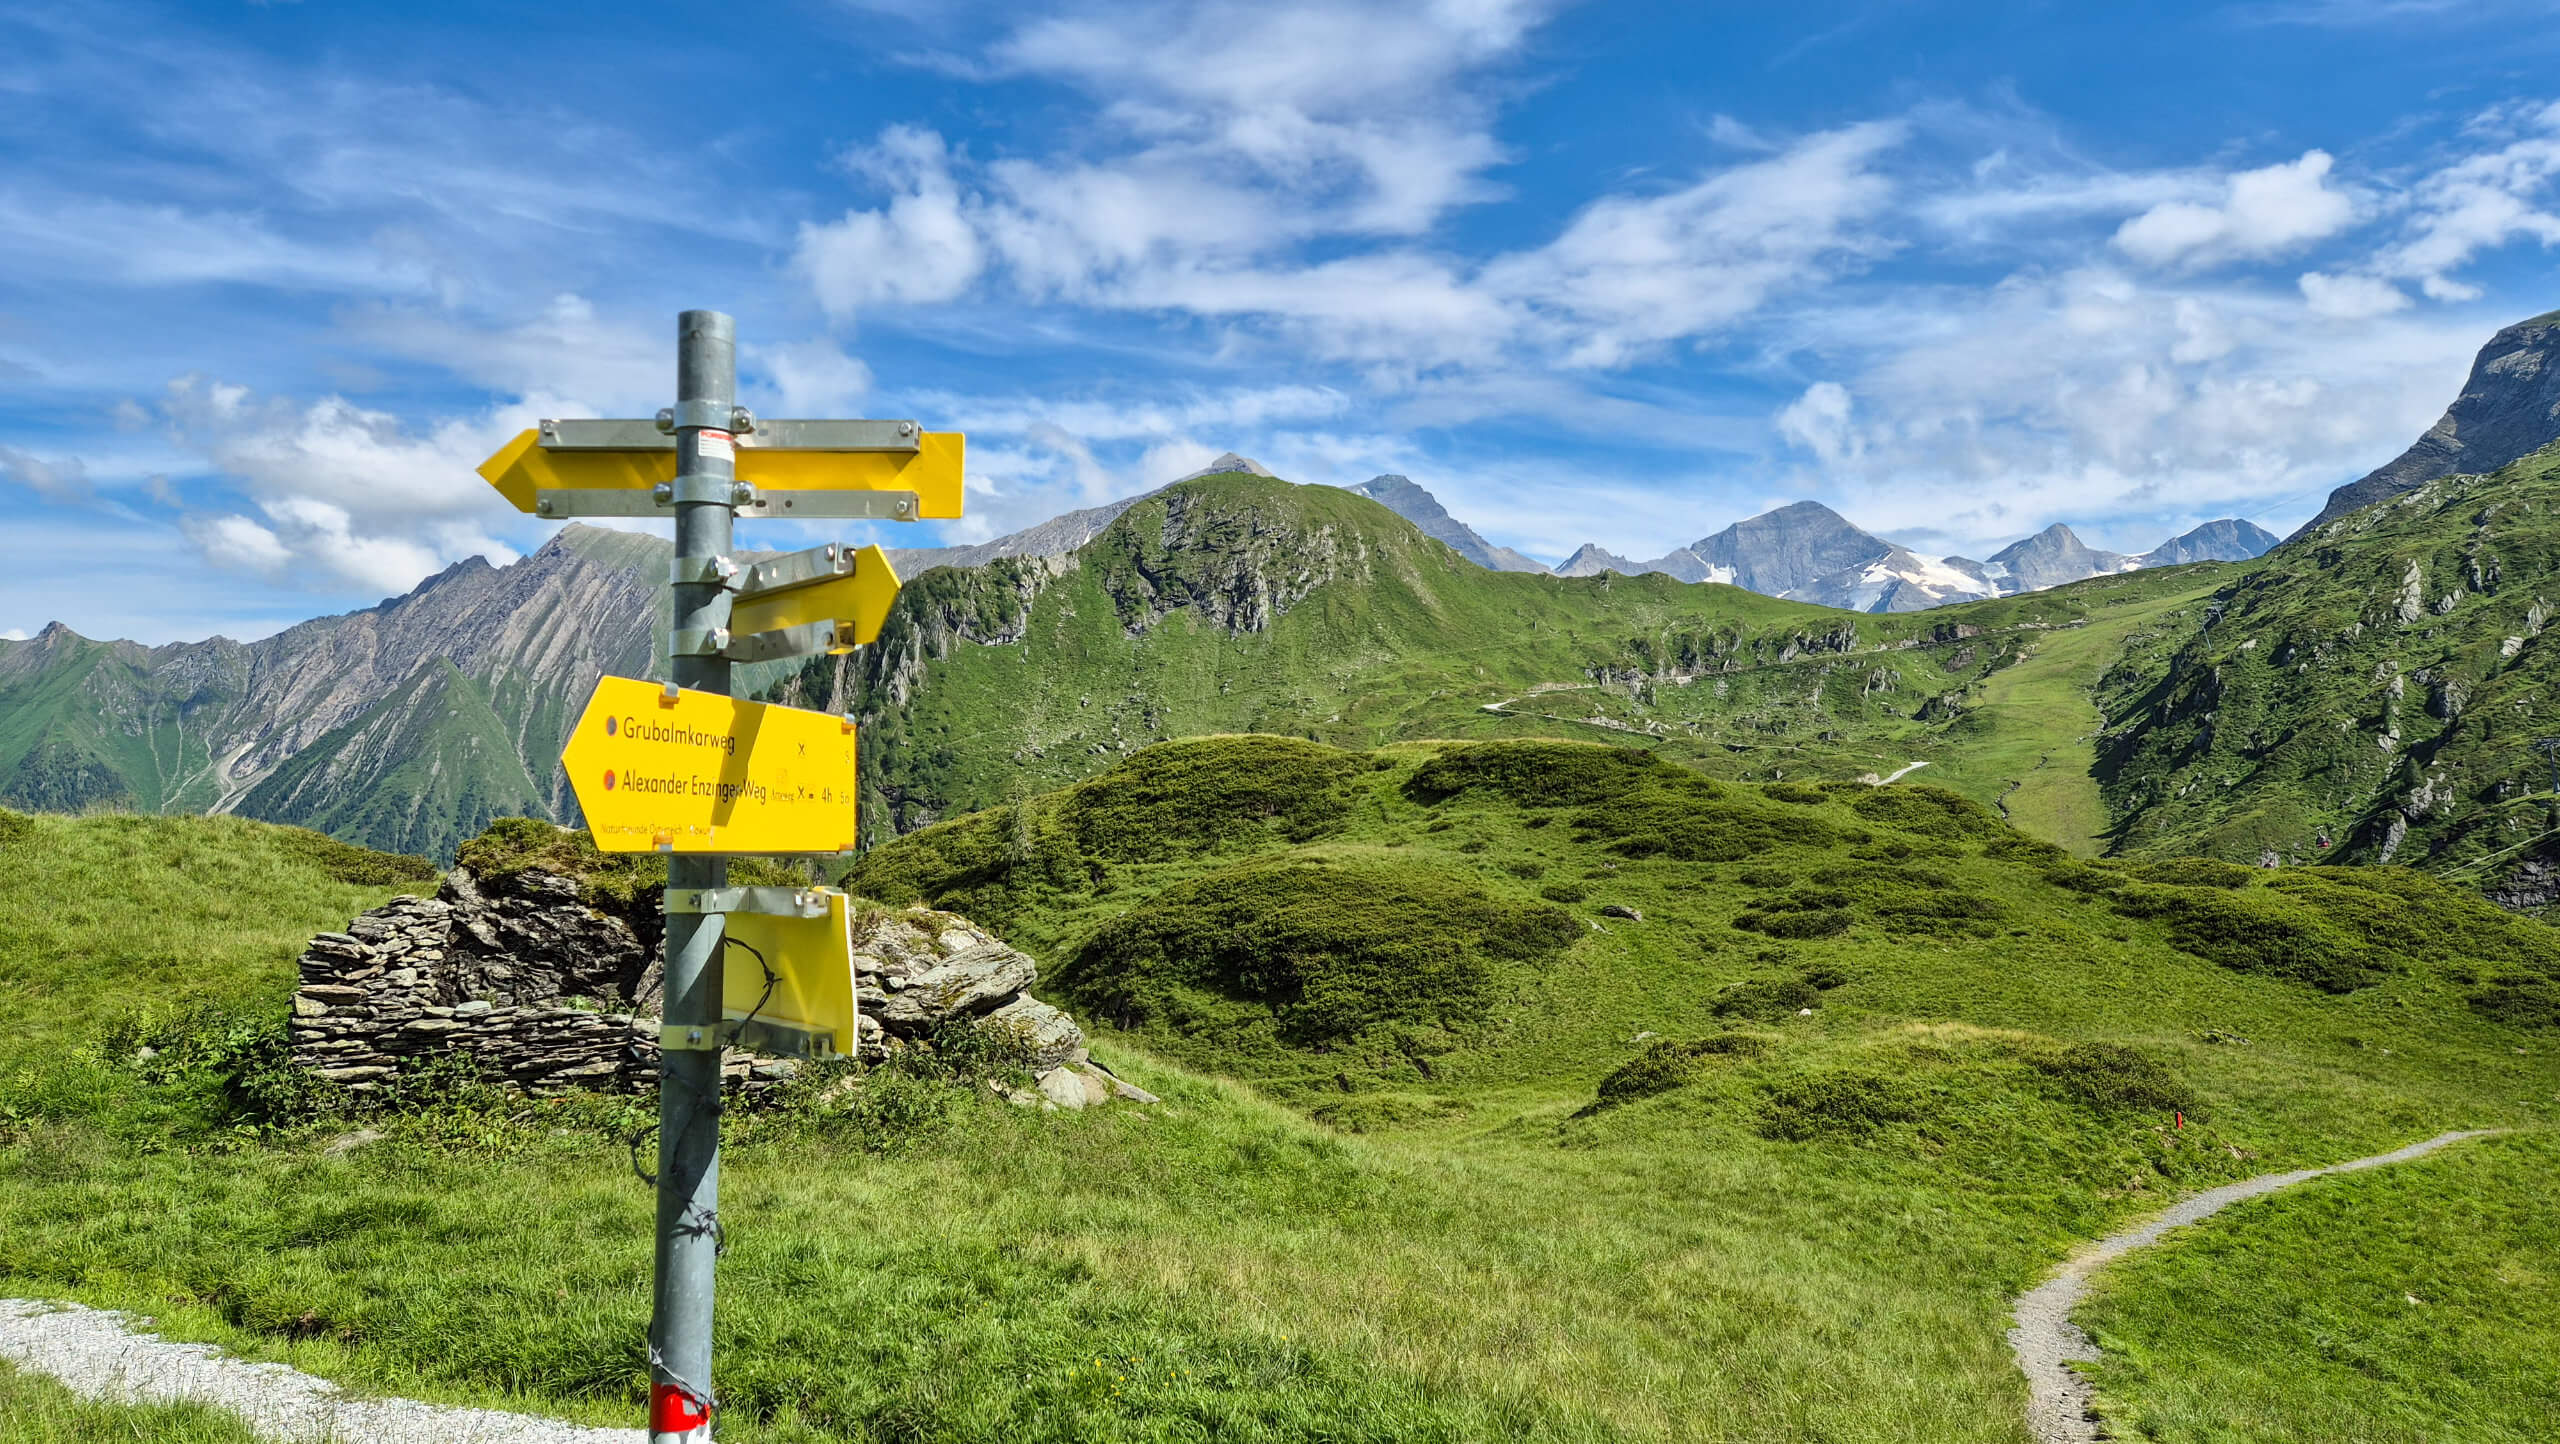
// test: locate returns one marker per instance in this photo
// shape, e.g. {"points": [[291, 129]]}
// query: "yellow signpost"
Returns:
{"points": [[808, 470], [684, 768], [800, 999], [662, 769]]}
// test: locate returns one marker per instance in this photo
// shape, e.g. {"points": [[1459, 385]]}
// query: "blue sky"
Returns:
{"points": [[274, 277]]}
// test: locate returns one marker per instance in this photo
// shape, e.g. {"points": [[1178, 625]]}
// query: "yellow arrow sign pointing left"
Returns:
{"points": [[699, 772]]}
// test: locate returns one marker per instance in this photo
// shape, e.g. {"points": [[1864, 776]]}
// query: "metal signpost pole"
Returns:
{"points": [[689, 1051], [675, 766]]}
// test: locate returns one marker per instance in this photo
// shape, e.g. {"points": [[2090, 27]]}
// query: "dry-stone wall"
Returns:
{"points": [[546, 993]]}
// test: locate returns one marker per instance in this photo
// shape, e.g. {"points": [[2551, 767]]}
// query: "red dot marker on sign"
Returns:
{"points": [[608, 782]]}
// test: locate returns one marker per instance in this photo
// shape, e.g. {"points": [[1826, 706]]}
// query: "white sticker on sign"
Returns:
{"points": [[719, 446]]}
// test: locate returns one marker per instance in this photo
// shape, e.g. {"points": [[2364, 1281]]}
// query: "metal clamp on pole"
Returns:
{"points": [[709, 571], [717, 490], [710, 413], [698, 642], [688, 1038]]}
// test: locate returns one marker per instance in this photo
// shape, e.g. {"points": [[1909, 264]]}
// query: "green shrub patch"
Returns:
{"points": [[2254, 930], [1928, 812], [1210, 793], [2520, 1002], [1840, 1104], [1671, 1063], [345, 862], [2111, 1076], [1539, 773], [2194, 872], [1316, 953], [1767, 999]]}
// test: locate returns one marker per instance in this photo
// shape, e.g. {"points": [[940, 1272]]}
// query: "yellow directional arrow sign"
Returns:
{"points": [[792, 986], [856, 601], [660, 769], [799, 472]]}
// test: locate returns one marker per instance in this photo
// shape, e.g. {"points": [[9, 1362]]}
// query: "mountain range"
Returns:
{"points": [[1234, 601], [1807, 552]]}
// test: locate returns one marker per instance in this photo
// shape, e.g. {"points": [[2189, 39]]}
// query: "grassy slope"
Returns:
{"points": [[1398, 638], [2411, 1303], [2313, 707], [2032, 734], [1742, 1255], [107, 916]]}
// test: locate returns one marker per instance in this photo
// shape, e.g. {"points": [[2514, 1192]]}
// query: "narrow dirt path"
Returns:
{"points": [[2046, 1342], [98, 1355]]}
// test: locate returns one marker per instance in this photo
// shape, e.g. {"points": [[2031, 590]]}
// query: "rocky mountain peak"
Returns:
{"points": [[1227, 462], [2050, 558], [1399, 494], [1591, 559], [1786, 552], [2509, 408], [2229, 539]]}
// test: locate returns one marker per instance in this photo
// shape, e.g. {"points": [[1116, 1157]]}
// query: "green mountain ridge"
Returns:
{"points": [[1236, 603], [2378, 692]]}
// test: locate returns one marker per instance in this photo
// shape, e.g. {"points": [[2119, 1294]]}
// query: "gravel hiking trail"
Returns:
{"points": [[98, 1355], [2047, 1342]]}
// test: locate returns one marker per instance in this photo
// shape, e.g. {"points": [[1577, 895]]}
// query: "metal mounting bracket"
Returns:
{"points": [[698, 642], [774, 902], [805, 640], [688, 1038], [756, 433], [795, 569]]}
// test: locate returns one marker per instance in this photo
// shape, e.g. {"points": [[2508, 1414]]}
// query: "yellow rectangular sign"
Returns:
{"points": [[811, 959], [524, 467], [687, 771]]}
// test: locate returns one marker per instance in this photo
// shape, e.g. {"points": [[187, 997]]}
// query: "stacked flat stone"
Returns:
{"points": [[399, 985], [546, 993]]}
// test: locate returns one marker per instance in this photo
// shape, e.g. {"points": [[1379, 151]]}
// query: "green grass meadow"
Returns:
{"points": [[1418, 1174]]}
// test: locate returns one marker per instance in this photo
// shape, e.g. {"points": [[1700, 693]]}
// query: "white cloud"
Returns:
{"points": [[2262, 213], [919, 248], [66, 480], [2350, 297], [2093, 397], [237, 543], [349, 495], [567, 354], [810, 378], [1819, 422], [13, 634], [1630, 273], [2482, 201]]}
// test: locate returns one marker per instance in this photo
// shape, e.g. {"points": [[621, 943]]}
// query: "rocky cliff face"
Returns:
{"points": [[2509, 407]]}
